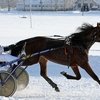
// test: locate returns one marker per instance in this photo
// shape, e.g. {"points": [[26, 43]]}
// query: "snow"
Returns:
{"points": [[38, 89], [15, 27], [97, 1], [69, 90]]}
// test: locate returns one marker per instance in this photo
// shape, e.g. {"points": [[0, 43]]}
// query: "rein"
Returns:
{"points": [[25, 57]]}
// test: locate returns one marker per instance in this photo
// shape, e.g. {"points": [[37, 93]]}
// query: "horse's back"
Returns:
{"points": [[41, 41]]}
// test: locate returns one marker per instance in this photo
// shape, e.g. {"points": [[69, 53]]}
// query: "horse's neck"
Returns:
{"points": [[89, 45]]}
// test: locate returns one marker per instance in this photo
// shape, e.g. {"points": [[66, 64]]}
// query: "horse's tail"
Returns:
{"points": [[10, 47]]}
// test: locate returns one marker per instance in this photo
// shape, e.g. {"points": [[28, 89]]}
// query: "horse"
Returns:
{"points": [[71, 51]]}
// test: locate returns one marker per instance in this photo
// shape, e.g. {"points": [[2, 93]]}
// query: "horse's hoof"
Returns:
{"points": [[99, 82], [57, 89], [63, 73]]}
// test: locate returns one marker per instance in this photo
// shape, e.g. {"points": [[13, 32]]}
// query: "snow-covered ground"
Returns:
{"points": [[38, 89], [13, 28]]}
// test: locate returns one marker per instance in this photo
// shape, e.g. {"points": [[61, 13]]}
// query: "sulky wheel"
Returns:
{"points": [[22, 78], [7, 88]]}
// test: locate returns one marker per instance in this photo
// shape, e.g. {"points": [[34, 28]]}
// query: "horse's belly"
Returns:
{"points": [[58, 56]]}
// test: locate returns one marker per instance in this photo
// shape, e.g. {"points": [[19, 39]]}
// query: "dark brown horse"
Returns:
{"points": [[71, 51]]}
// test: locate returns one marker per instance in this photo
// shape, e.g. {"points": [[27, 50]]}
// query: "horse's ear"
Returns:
{"points": [[98, 25]]}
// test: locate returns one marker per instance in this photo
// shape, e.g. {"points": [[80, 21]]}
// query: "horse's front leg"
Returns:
{"points": [[43, 72], [75, 70], [88, 69]]}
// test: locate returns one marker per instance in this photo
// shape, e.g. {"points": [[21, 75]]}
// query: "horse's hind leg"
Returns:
{"points": [[76, 71], [43, 72], [88, 69]]}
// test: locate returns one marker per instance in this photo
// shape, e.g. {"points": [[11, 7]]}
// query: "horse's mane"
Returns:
{"points": [[85, 27], [79, 37]]}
